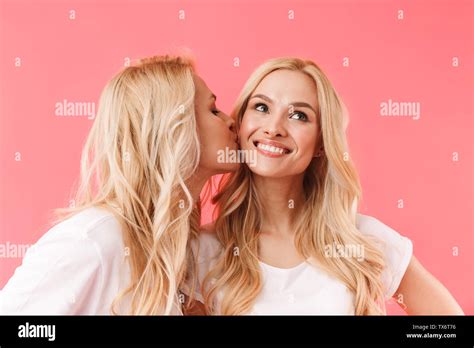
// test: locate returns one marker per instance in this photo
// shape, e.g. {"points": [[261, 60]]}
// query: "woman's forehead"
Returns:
{"points": [[288, 86]]}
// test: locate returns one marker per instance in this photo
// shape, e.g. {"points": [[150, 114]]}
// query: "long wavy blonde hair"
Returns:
{"points": [[142, 148], [332, 192]]}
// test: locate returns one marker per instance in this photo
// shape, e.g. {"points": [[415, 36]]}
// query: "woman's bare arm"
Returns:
{"points": [[423, 294]]}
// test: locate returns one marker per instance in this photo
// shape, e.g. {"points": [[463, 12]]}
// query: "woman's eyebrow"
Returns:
{"points": [[213, 96], [262, 96], [303, 105]]}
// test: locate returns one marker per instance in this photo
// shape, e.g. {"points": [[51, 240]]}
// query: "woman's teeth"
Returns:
{"points": [[271, 148]]}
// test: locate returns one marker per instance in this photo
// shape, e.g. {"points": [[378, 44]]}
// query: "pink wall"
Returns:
{"points": [[425, 58]]}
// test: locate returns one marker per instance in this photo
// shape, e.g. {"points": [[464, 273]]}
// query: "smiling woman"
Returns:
{"points": [[278, 219], [280, 121]]}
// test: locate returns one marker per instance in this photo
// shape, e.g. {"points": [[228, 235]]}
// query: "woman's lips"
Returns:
{"points": [[271, 148]]}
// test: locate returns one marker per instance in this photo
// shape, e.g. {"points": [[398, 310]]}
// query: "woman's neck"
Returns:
{"points": [[282, 200], [197, 181]]}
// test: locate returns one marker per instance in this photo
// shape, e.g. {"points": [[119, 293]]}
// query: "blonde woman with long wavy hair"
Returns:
{"points": [[123, 248], [288, 238]]}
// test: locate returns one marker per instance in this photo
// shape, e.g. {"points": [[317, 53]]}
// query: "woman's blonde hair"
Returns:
{"points": [[332, 192], [141, 149]]}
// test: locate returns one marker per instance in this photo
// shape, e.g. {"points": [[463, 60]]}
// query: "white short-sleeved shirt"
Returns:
{"points": [[78, 267], [308, 289]]}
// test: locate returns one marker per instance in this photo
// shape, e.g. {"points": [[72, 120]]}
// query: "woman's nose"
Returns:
{"points": [[274, 126], [230, 122]]}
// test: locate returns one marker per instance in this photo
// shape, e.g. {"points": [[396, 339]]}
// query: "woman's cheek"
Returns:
{"points": [[244, 133], [249, 124], [306, 138]]}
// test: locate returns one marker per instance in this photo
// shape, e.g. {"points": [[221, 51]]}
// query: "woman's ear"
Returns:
{"points": [[319, 148], [319, 152]]}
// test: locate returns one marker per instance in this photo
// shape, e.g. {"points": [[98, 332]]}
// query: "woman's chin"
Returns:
{"points": [[266, 171]]}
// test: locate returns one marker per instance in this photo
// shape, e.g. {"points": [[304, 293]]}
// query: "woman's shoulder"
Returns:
{"points": [[86, 222], [96, 225], [366, 222], [90, 239], [372, 226], [67, 269], [396, 249]]}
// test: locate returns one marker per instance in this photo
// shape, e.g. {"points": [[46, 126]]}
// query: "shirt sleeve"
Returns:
{"points": [[207, 250], [397, 251], [57, 276]]}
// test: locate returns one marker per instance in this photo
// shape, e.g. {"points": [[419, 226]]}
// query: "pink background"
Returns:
{"points": [[407, 59]]}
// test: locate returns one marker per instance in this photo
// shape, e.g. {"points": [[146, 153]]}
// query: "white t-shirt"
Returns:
{"points": [[307, 289], [78, 267]]}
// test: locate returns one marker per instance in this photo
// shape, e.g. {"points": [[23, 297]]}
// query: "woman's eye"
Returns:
{"points": [[301, 116], [261, 107], [216, 112]]}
